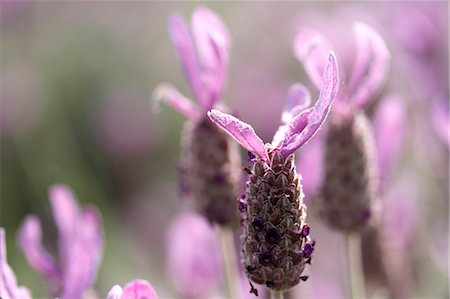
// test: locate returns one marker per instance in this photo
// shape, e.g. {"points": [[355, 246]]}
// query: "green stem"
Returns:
{"points": [[276, 295], [229, 260], [355, 270]]}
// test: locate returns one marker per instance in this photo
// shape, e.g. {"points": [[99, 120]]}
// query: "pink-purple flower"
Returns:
{"points": [[204, 54], [299, 123], [193, 255], [135, 289], [362, 80], [389, 118], [79, 247], [9, 289]]}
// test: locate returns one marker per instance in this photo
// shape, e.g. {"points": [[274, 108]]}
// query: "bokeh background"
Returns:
{"points": [[77, 78]]}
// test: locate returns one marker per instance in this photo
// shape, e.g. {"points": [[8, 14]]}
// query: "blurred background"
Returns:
{"points": [[76, 82]]}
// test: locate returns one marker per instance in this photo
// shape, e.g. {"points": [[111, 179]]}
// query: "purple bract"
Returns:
{"points": [[80, 245], [204, 53], [299, 124], [8, 282]]}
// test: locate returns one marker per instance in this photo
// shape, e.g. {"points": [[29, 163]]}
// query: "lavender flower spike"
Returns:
{"points": [[79, 245], [209, 167], [8, 282], [275, 240], [136, 289], [349, 190]]}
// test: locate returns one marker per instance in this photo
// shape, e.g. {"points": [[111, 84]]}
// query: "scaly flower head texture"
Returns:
{"points": [[135, 289], [8, 281], [275, 240], [210, 160], [80, 245], [348, 196]]}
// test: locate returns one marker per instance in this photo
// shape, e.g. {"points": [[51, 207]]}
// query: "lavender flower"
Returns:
{"points": [[135, 289], [193, 255], [382, 263], [275, 240], [79, 245], [389, 117], [348, 194], [8, 282], [210, 159]]}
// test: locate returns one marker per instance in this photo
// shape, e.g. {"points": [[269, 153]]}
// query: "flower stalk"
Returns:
{"points": [[276, 295], [355, 270], [229, 260]]}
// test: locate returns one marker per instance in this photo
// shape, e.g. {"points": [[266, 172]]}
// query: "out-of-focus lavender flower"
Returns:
{"points": [[423, 40], [362, 80], [275, 233], [8, 281], [193, 255], [209, 167], [349, 189], [204, 55], [135, 289], [387, 257], [80, 245], [389, 118]]}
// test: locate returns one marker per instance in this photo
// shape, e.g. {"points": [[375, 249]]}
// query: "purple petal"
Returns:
{"points": [[294, 128], [182, 40], [138, 289], [172, 97], [213, 42], [30, 237], [306, 124], [400, 211], [66, 215], [368, 75], [190, 239], [389, 119], [83, 255], [299, 99], [243, 133], [8, 282], [65, 209], [115, 292], [312, 49]]}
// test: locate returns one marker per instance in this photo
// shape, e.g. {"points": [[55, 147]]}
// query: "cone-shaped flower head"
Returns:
{"points": [[136, 289], [193, 255], [384, 260], [80, 245], [350, 180], [210, 158], [8, 281], [275, 240]]}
